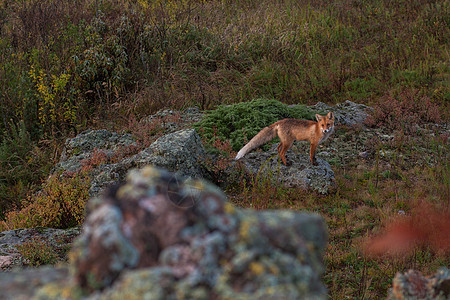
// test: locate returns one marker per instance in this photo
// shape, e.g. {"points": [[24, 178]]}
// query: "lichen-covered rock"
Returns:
{"points": [[413, 285], [162, 236], [346, 113], [180, 151], [167, 118], [81, 147], [300, 173]]}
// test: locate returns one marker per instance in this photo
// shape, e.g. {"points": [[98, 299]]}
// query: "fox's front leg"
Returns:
{"points": [[313, 153]]}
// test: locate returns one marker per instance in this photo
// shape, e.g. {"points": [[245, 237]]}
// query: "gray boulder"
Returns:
{"points": [[80, 148], [181, 152], [346, 113], [162, 236], [301, 173]]}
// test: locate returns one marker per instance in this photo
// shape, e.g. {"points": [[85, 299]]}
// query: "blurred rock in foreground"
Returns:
{"points": [[160, 236], [413, 285]]}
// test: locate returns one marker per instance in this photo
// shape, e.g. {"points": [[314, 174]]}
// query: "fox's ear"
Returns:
{"points": [[330, 115], [318, 117]]}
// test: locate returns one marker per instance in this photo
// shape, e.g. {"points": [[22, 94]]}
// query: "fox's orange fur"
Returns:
{"points": [[289, 130]]}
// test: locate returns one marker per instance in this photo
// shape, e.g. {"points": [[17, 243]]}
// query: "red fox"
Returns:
{"points": [[289, 130]]}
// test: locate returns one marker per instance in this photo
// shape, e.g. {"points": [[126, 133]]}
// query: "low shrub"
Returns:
{"points": [[97, 157], [402, 112], [60, 204], [37, 251]]}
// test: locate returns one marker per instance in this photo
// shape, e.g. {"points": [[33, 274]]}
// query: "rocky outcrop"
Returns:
{"points": [[81, 148], [346, 113], [162, 236], [300, 173], [191, 242], [181, 152], [413, 285]]}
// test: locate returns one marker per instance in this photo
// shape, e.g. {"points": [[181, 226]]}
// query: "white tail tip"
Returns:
{"points": [[239, 155]]}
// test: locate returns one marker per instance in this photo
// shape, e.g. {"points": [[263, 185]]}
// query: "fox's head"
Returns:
{"points": [[326, 123]]}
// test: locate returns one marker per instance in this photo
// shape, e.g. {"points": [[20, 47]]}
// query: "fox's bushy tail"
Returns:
{"points": [[265, 135]]}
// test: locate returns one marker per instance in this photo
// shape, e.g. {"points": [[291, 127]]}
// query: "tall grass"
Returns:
{"points": [[61, 70]]}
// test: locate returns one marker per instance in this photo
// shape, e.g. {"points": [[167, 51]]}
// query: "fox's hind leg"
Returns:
{"points": [[284, 149], [279, 147]]}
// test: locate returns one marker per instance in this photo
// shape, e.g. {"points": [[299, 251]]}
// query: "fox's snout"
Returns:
{"points": [[327, 128]]}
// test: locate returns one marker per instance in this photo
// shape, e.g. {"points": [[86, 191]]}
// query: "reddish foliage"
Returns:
{"points": [[425, 227], [403, 111], [37, 251], [97, 158], [124, 151]]}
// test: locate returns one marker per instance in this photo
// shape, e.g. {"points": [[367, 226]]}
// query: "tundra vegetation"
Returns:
{"points": [[66, 66]]}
